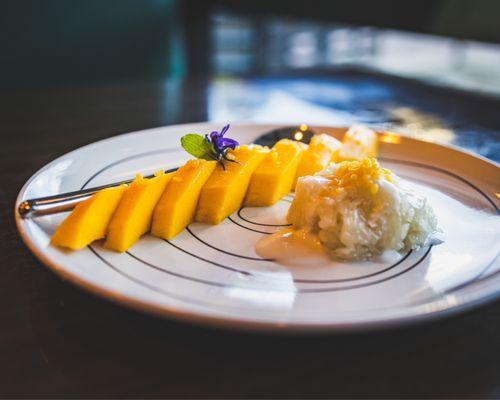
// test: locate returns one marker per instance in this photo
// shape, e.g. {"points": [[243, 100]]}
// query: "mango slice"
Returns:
{"points": [[133, 215], [357, 143], [89, 220], [225, 190], [177, 205], [274, 177], [322, 150]]}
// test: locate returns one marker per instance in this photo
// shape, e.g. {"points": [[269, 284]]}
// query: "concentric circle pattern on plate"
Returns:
{"points": [[211, 274]]}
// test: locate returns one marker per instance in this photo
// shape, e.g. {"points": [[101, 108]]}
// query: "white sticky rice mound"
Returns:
{"points": [[356, 227]]}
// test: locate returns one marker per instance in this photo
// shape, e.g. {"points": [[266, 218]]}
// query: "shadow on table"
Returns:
{"points": [[98, 349]]}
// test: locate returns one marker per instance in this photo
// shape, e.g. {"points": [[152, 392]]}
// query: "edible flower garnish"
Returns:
{"points": [[213, 146]]}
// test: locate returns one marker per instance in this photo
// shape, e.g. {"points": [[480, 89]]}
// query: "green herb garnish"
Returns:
{"points": [[198, 147], [209, 147]]}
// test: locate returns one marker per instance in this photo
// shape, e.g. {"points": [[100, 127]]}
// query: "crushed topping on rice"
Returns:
{"points": [[362, 175]]}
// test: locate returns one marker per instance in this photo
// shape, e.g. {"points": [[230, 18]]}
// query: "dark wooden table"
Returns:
{"points": [[58, 341]]}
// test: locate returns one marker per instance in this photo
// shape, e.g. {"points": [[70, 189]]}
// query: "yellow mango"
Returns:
{"points": [[89, 220], [274, 177], [357, 143], [225, 190], [133, 216], [322, 150], [177, 205]]}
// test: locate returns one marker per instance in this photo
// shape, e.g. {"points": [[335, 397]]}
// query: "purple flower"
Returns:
{"points": [[221, 144]]}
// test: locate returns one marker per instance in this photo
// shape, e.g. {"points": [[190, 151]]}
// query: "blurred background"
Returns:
{"points": [[430, 69]]}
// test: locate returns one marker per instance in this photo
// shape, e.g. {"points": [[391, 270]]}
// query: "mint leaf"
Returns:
{"points": [[197, 146]]}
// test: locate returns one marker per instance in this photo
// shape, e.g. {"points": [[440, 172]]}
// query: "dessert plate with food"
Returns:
{"points": [[270, 228]]}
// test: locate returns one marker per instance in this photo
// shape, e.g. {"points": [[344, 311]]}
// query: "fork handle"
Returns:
{"points": [[64, 201], [57, 203]]}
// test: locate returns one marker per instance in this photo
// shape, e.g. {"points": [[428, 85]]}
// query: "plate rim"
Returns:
{"points": [[191, 317]]}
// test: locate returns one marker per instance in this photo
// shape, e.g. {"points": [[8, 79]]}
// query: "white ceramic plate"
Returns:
{"points": [[211, 274]]}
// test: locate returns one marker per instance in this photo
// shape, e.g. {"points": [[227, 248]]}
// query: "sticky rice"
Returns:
{"points": [[359, 209]]}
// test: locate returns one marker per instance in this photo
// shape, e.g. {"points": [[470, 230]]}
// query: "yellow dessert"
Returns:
{"points": [[208, 192], [322, 150], [177, 205], [225, 190], [274, 177], [358, 142], [133, 216], [89, 220]]}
